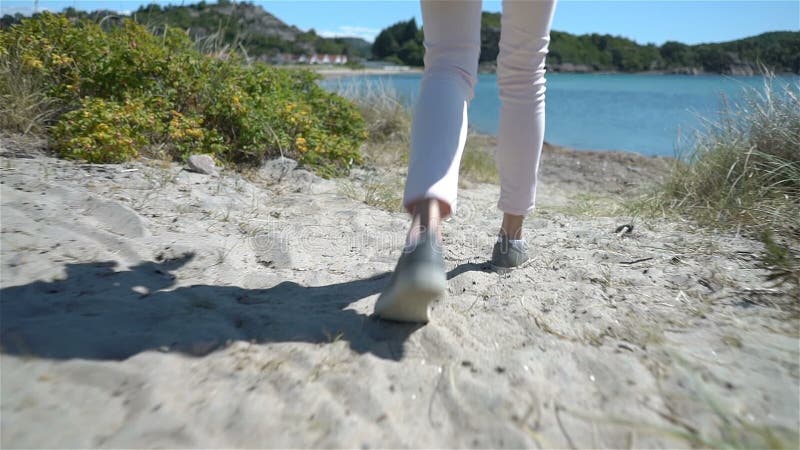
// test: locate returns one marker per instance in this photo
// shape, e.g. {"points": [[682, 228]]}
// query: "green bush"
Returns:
{"points": [[103, 131], [127, 91]]}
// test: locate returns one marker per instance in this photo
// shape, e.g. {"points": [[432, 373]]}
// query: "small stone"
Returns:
{"points": [[277, 169], [202, 164]]}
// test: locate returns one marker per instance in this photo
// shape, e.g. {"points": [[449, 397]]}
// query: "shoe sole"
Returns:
{"points": [[503, 269], [411, 295]]}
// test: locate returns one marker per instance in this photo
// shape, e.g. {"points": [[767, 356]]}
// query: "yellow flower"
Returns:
{"points": [[61, 60], [196, 133], [32, 63], [300, 143]]}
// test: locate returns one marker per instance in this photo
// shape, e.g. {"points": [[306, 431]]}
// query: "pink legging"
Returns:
{"points": [[439, 129]]}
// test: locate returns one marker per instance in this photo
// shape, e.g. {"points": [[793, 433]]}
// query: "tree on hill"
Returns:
{"points": [[401, 43]]}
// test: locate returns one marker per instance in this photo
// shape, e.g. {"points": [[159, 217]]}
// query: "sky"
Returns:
{"points": [[645, 21]]}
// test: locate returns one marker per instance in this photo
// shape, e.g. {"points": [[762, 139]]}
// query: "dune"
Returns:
{"points": [[144, 305]]}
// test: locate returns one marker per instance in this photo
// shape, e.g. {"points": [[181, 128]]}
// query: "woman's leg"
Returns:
{"points": [[439, 128], [438, 133], [524, 40]]}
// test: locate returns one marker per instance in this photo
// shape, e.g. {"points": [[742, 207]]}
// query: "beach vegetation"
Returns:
{"points": [[743, 169], [381, 189], [111, 91], [743, 174], [477, 161], [387, 120]]}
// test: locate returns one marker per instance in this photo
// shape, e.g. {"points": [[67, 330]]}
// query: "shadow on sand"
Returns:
{"points": [[99, 313]]}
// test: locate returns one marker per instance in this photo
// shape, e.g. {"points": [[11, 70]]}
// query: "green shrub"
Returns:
{"points": [[268, 111], [127, 91], [103, 131]]}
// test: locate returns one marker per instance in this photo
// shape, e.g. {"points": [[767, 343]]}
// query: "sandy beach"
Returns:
{"points": [[144, 305], [332, 72]]}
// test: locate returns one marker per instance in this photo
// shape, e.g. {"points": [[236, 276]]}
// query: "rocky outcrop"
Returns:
{"points": [[202, 164], [686, 71], [259, 21]]}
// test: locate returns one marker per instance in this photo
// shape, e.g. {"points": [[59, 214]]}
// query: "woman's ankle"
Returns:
{"points": [[426, 219], [511, 228]]}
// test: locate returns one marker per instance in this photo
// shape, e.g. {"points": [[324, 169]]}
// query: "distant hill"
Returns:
{"points": [[244, 24], [779, 51]]}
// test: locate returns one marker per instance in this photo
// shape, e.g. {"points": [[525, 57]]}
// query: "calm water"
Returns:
{"points": [[647, 114]]}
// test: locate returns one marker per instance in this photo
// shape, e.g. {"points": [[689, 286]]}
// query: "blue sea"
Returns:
{"points": [[646, 114]]}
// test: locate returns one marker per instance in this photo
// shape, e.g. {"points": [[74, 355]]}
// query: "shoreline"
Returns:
{"points": [[490, 140], [339, 72], [346, 72]]}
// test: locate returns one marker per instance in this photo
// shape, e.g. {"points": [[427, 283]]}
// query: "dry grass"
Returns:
{"points": [[783, 265], [386, 117], [24, 106], [744, 172], [591, 205], [392, 154], [382, 191], [477, 162]]}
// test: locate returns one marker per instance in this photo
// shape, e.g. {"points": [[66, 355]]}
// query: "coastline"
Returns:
{"points": [[331, 72]]}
